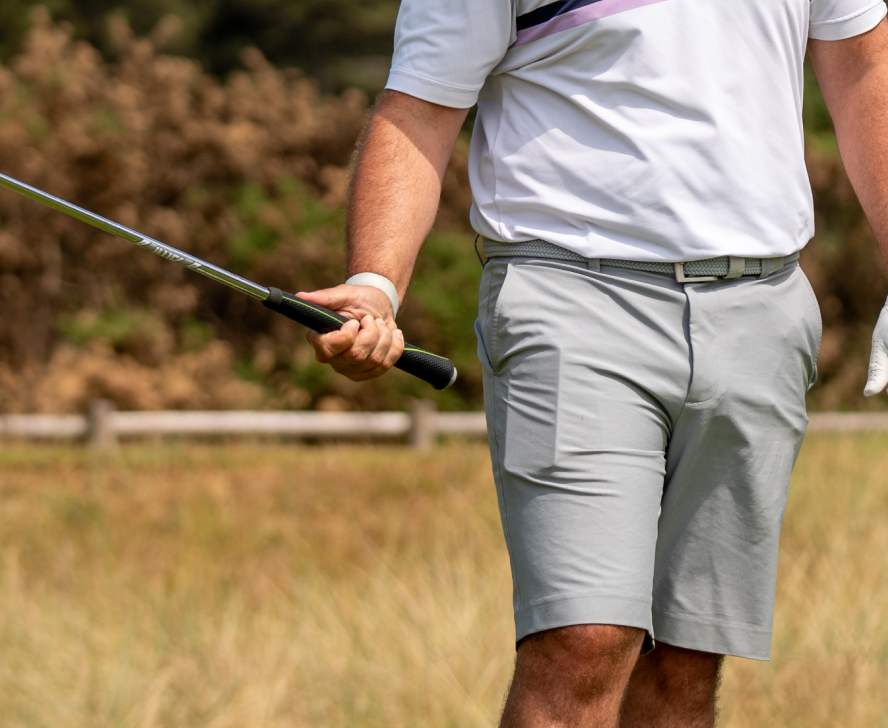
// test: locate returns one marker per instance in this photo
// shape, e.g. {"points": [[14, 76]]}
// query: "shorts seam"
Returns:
{"points": [[497, 459], [495, 319], [622, 451], [703, 620], [582, 595], [720, 386]]}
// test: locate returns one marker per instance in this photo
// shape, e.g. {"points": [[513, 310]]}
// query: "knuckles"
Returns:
{"points": [[356, 356]]}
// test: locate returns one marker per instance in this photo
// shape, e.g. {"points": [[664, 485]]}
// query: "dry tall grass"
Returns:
{"points": [[281, 586], [830, 653]]}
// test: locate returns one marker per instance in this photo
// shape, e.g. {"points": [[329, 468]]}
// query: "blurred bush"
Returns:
{"points": [[844, 266], [339, 42], [250, 174]]}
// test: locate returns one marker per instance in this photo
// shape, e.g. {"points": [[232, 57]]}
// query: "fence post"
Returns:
{"points": [[100, 433], [422, 424]]}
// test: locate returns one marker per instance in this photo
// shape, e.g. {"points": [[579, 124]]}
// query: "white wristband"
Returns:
{"points": [[377, 281]]}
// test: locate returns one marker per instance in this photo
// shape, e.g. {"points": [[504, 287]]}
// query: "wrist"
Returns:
{"points": [[380, 282]]}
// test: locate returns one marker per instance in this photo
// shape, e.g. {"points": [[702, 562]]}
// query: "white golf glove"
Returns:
{"points": [[878, 367]]}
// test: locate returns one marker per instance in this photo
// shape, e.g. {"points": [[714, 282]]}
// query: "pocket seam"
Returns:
{"points": [[495, 319], [813, 297]]}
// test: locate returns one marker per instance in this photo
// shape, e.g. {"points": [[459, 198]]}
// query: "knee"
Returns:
{"points": [[672, 686], [582, 658], [672, 670]]}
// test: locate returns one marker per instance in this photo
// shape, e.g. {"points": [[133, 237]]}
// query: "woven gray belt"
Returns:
{"points": [[694, 271]]}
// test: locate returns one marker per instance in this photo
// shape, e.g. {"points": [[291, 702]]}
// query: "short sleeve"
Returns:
{"points": [[839, 19], [445, 49]]}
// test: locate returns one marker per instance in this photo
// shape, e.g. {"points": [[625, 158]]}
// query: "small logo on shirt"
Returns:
{"points": [[566, 14]]}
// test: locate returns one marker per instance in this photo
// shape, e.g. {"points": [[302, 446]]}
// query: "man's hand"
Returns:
{"points": [[878, 367], [366, 347], [392, 204]]}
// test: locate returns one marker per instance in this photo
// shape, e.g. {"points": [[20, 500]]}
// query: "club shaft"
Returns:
{"points": [[165, 251], [436, 370]]}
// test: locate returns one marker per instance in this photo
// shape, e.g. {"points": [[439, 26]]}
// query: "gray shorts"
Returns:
{"points": [[642, 434]]}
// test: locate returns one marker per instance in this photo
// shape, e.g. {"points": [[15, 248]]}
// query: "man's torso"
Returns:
{"points": [[634, 129]]}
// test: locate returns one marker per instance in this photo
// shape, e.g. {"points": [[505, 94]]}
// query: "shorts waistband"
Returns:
{"points": [[693, 271]]}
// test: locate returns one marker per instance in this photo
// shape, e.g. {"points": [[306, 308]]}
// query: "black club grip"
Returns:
{"points": [[436, 370]]}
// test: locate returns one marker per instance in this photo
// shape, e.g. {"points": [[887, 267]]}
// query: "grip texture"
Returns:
{"points": [[431, 368]]}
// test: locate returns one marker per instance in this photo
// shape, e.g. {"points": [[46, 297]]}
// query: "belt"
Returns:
{"points": [[693, 271]]}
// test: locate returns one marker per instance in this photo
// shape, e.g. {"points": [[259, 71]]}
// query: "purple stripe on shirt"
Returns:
{"points": [[578, 17]]}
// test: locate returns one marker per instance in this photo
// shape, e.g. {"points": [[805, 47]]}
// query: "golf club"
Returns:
{"points": [[436, 370]]}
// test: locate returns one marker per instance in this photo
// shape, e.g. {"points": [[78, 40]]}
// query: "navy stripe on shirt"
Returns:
{"points": [[547, 12]]}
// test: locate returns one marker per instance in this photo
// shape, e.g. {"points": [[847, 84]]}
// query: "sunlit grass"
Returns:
{"points": [[830, 656], [259, 585]]}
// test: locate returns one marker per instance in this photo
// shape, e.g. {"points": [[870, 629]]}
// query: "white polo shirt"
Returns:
{"points": [[655, 130]]}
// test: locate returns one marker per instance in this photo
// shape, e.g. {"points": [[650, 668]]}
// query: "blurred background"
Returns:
{"points": [[260, 582], [226, 128]]}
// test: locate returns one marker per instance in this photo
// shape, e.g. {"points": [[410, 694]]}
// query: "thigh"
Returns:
{"points": [[729, 463], [583, 374]]}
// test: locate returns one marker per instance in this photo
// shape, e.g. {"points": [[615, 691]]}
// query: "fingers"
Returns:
{"points": [[877, 378], [329, 346], [362, 350], [369, 349], [387, 352]]}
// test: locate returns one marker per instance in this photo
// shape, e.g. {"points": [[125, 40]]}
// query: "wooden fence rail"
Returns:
{"points": [[102, 426]]}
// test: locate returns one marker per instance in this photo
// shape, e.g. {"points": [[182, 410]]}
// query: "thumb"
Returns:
{"points": [[337, 298], [352, 301], [877, 378]]}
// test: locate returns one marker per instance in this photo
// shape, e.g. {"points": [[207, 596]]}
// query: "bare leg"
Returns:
{"points": [[672, 687], [573, 676]]}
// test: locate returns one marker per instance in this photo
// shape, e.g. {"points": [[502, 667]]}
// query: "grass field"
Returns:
{"points": [[258, 585]]}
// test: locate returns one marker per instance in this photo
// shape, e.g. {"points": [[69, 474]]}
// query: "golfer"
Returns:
{"points": [[646, 334]]}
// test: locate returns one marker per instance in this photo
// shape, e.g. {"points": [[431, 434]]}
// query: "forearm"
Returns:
{"points": [[396, 185], [853, 75]]}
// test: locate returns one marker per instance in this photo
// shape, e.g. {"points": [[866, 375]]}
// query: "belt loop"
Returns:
{"points": [[480, 253], [736, 267], [771, 265], [594, 264]]}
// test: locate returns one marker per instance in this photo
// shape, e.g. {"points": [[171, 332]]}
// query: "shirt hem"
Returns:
{"points": [[435, 92], [850, 25]]}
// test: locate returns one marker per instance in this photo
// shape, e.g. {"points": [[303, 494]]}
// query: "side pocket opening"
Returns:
{"points": [[493, 284]]}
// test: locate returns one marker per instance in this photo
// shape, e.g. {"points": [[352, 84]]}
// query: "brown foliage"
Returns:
{"points": [[251, 174], [157, 145]]}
